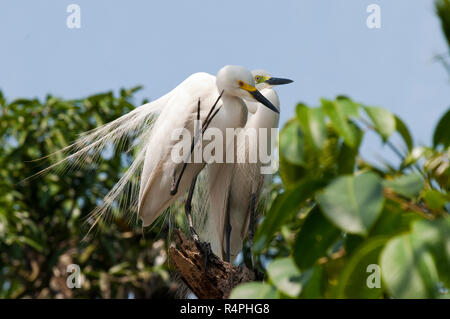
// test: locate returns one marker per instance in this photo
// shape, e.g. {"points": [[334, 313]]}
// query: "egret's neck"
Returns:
{"points": [[232, 102], [265, 117], [235, 107], [230, 99]]}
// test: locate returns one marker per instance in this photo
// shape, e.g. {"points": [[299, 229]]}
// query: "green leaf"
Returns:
{"points": [[314, 239], [292, 143], [406, 185], [442, 131], [254, 290], [314, 288], [393, 220], [408, 272], [348, 155], [290, 173], [312, 121], [349, 107], [353, 203], [434, 236], [339, 112], [402, 129], [357, 279], [443, 11], [30, 242], [383, 120], [285, 275], [347, 159], [285, 207], [434, 199]]}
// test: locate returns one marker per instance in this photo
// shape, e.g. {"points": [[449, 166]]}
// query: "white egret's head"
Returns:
{"points": [[264, 80], [239, 82]]}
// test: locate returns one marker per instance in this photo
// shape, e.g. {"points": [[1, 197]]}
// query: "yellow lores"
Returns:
{"points": [[261, 79], [246, 87]]}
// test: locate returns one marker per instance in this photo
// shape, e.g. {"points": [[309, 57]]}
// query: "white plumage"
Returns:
{"points": [[235, 183], [148, 182]]}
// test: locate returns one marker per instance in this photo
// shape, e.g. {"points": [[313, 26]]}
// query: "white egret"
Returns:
{"points": [[234, 188], [153, 123], [192, 99]]}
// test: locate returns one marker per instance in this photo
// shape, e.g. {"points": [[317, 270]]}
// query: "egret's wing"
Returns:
{"points": [[88, 147], [125, 195], [158, 168]]}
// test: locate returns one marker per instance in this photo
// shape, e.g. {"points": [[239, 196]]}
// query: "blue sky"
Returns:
{"points": [[325, 46]]}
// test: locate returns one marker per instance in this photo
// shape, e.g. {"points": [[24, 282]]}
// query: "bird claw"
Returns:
{"points": [[205, 248], [259, 276], [194, 234]]}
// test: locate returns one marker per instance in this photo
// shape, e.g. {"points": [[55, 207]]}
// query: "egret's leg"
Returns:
{"points": [[227, 230], [251, 226], [188, 210], [211, 115]]}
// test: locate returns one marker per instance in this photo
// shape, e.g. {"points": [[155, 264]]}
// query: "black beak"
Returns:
{"points": [[260, 98], [278, 81]]}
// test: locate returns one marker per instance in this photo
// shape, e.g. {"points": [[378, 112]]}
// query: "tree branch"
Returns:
{"points": [[216, 280], [407, 205]]}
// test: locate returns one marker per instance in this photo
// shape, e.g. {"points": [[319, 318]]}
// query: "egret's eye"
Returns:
{"points": [[241, 83], [257, 78]]}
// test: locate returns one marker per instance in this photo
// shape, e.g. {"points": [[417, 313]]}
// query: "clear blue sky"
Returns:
{"points": [[325, 46]]}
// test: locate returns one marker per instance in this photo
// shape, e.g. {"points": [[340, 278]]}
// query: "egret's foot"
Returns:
{"points": [[259, 276], [252, 261], [194, 234], [205, 248]]}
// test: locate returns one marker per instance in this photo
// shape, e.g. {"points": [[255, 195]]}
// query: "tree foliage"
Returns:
{"points": [[42, 220], [337, 214], [338, 221]]}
